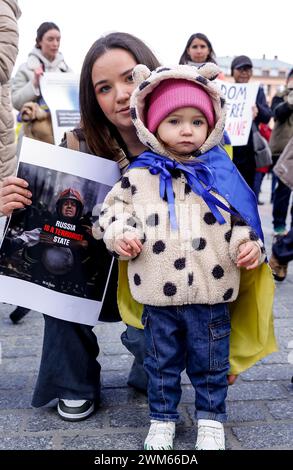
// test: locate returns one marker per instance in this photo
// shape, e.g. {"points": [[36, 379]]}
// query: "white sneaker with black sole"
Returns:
{"points": [[75, 410]]}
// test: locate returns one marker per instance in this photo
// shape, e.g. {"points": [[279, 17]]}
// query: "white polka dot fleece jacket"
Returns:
{"points": [[195, 263]]}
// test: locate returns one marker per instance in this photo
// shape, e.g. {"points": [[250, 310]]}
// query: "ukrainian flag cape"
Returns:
{"points": [[252, 331]]}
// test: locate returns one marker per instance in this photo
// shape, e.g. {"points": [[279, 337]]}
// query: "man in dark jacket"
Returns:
{"points": [[243, 155]]}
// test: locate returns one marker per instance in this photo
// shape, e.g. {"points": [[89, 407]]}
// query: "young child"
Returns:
{"points": [[187, 222]]}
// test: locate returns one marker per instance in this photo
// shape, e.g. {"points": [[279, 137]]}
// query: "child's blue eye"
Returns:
{"points": [[173, 121], [197, 122]]}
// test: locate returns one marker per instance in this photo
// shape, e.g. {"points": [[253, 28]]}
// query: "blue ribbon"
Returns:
{"points": [[198, 175]]}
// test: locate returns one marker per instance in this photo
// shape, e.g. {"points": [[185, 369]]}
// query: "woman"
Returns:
{"points": [[45, 57], [198, 50], [69, 370]]}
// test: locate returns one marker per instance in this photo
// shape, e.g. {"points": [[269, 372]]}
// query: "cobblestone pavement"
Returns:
{"points": [[260, 404]]}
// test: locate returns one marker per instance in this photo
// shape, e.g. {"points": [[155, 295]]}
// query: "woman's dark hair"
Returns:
{"points": [[42, 29], [186, 58], [100, 134]]}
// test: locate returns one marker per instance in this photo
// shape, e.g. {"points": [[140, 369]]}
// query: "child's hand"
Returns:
{"points": [[128, 245], [248, 256]]}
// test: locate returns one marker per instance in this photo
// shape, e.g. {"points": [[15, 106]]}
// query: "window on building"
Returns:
{"points": [[282, 74], [265, 73]]}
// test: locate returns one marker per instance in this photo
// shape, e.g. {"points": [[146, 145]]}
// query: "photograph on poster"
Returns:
{"points": [[50, 243]]}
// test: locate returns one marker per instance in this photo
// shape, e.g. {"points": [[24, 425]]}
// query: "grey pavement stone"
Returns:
{"points": [[283, 311], [114, 397], [287, 334], [48, 420], [269, 372], [15, 399], [245, 411], [113, 349], [281, 409], [118, 441], [25, 443], [120, 362], [264, 436], [188, 394], [114, 379], [283, 323], [10, 423], [12, 381], [283, 341], [134, 417], [185, 379], [105, 332], [24, 350], [255, 391], [31, 325], [276, 358], [21, 364]]}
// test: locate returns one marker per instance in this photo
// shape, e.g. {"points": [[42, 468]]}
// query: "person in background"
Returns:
{"points": [[9, 14], [45, 57], [69, 369], [198, 51], [243, 155], [282, 107]]}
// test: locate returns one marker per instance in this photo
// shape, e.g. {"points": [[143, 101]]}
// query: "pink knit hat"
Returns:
{"points": [[172, 94]]}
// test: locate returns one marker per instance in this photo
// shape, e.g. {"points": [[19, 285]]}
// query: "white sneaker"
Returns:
{"points": [[210, 435], [75, 410], [160, 436]]}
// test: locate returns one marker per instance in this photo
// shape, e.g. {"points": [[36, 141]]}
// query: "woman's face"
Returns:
{"points": [[198, 51], [113, 84], [50, 44], [242, 74]]}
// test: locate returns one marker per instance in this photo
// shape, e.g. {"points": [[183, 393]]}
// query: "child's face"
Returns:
{"points": [[184, 130]]}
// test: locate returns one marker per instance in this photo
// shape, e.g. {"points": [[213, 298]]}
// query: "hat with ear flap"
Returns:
{"points": [[195, 88]]}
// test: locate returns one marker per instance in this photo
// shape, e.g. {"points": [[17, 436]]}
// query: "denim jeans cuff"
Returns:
{"points": [[221, 417], [164, 416]]}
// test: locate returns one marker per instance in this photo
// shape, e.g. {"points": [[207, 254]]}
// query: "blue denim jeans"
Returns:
{"points": [[195, 337]]}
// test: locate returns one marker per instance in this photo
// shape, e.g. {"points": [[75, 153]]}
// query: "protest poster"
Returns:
{"points": [[240, 98], [49, 260], [60, 91]]}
